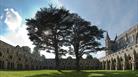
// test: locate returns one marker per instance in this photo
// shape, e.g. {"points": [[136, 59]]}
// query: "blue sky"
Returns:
{"points": [[115, 16]]}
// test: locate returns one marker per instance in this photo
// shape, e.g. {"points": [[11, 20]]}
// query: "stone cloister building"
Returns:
{"points": [[19, 58], [122, 52], [70, 63]]}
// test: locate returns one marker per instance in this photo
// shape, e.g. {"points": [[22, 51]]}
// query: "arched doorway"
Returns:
{"points": [[1, 64], [129, 62], [121, 64], [113, 64]]}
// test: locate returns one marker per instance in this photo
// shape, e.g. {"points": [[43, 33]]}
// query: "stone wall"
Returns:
{"points": [[125, 59], [71, 64], [18, 58], [125, 55]]}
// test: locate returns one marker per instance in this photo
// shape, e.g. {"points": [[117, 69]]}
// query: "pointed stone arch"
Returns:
{"points": [[117, 63], [114, 64], [125, 61], [120, 64], [129, 59]]}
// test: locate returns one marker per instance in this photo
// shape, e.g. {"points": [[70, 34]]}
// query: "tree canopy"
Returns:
{"points": [[52, 28], [45, 30], [84, 37]]}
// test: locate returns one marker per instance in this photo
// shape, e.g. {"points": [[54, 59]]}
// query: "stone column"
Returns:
{"points": [[124, 62], [23, 66], [111, 65], [133, 65], [29, 67], [106, 65], [116, 64], [133, 60], [5, 64], [103, 65], [15, 66], [124, 65]]}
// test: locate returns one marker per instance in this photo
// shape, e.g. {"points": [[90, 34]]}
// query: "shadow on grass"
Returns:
{"points": [[89, 74], [63, 74]]}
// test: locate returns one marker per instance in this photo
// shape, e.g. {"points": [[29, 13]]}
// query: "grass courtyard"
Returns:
{"points": [[69, 73]]}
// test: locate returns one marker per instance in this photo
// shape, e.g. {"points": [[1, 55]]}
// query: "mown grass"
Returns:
{"points": [[69, 73]]}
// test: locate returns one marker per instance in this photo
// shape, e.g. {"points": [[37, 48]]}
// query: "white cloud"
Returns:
{"points": [[13, 19], [18, 38], [17, 34], [6, 40]]}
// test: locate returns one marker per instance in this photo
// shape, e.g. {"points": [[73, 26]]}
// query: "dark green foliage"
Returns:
{"points": [[53, 28], [45, 30], [84, 37]]}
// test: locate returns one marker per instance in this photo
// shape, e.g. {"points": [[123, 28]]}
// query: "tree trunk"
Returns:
{"points": [[77, 63], [77, 57], [56, 49], [57, 59]]}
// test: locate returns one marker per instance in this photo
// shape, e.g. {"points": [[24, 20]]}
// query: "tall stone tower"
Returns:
{"points": [[108, 44]]}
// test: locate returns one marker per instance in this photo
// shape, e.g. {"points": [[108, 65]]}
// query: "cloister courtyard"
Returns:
{"points": [[68, 38]]}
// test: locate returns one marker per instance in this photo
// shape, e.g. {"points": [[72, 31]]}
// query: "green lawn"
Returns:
{"points": [[54, 73]]}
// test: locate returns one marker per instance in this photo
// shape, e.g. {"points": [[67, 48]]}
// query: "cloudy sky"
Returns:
{"points": [[115, 16]]}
